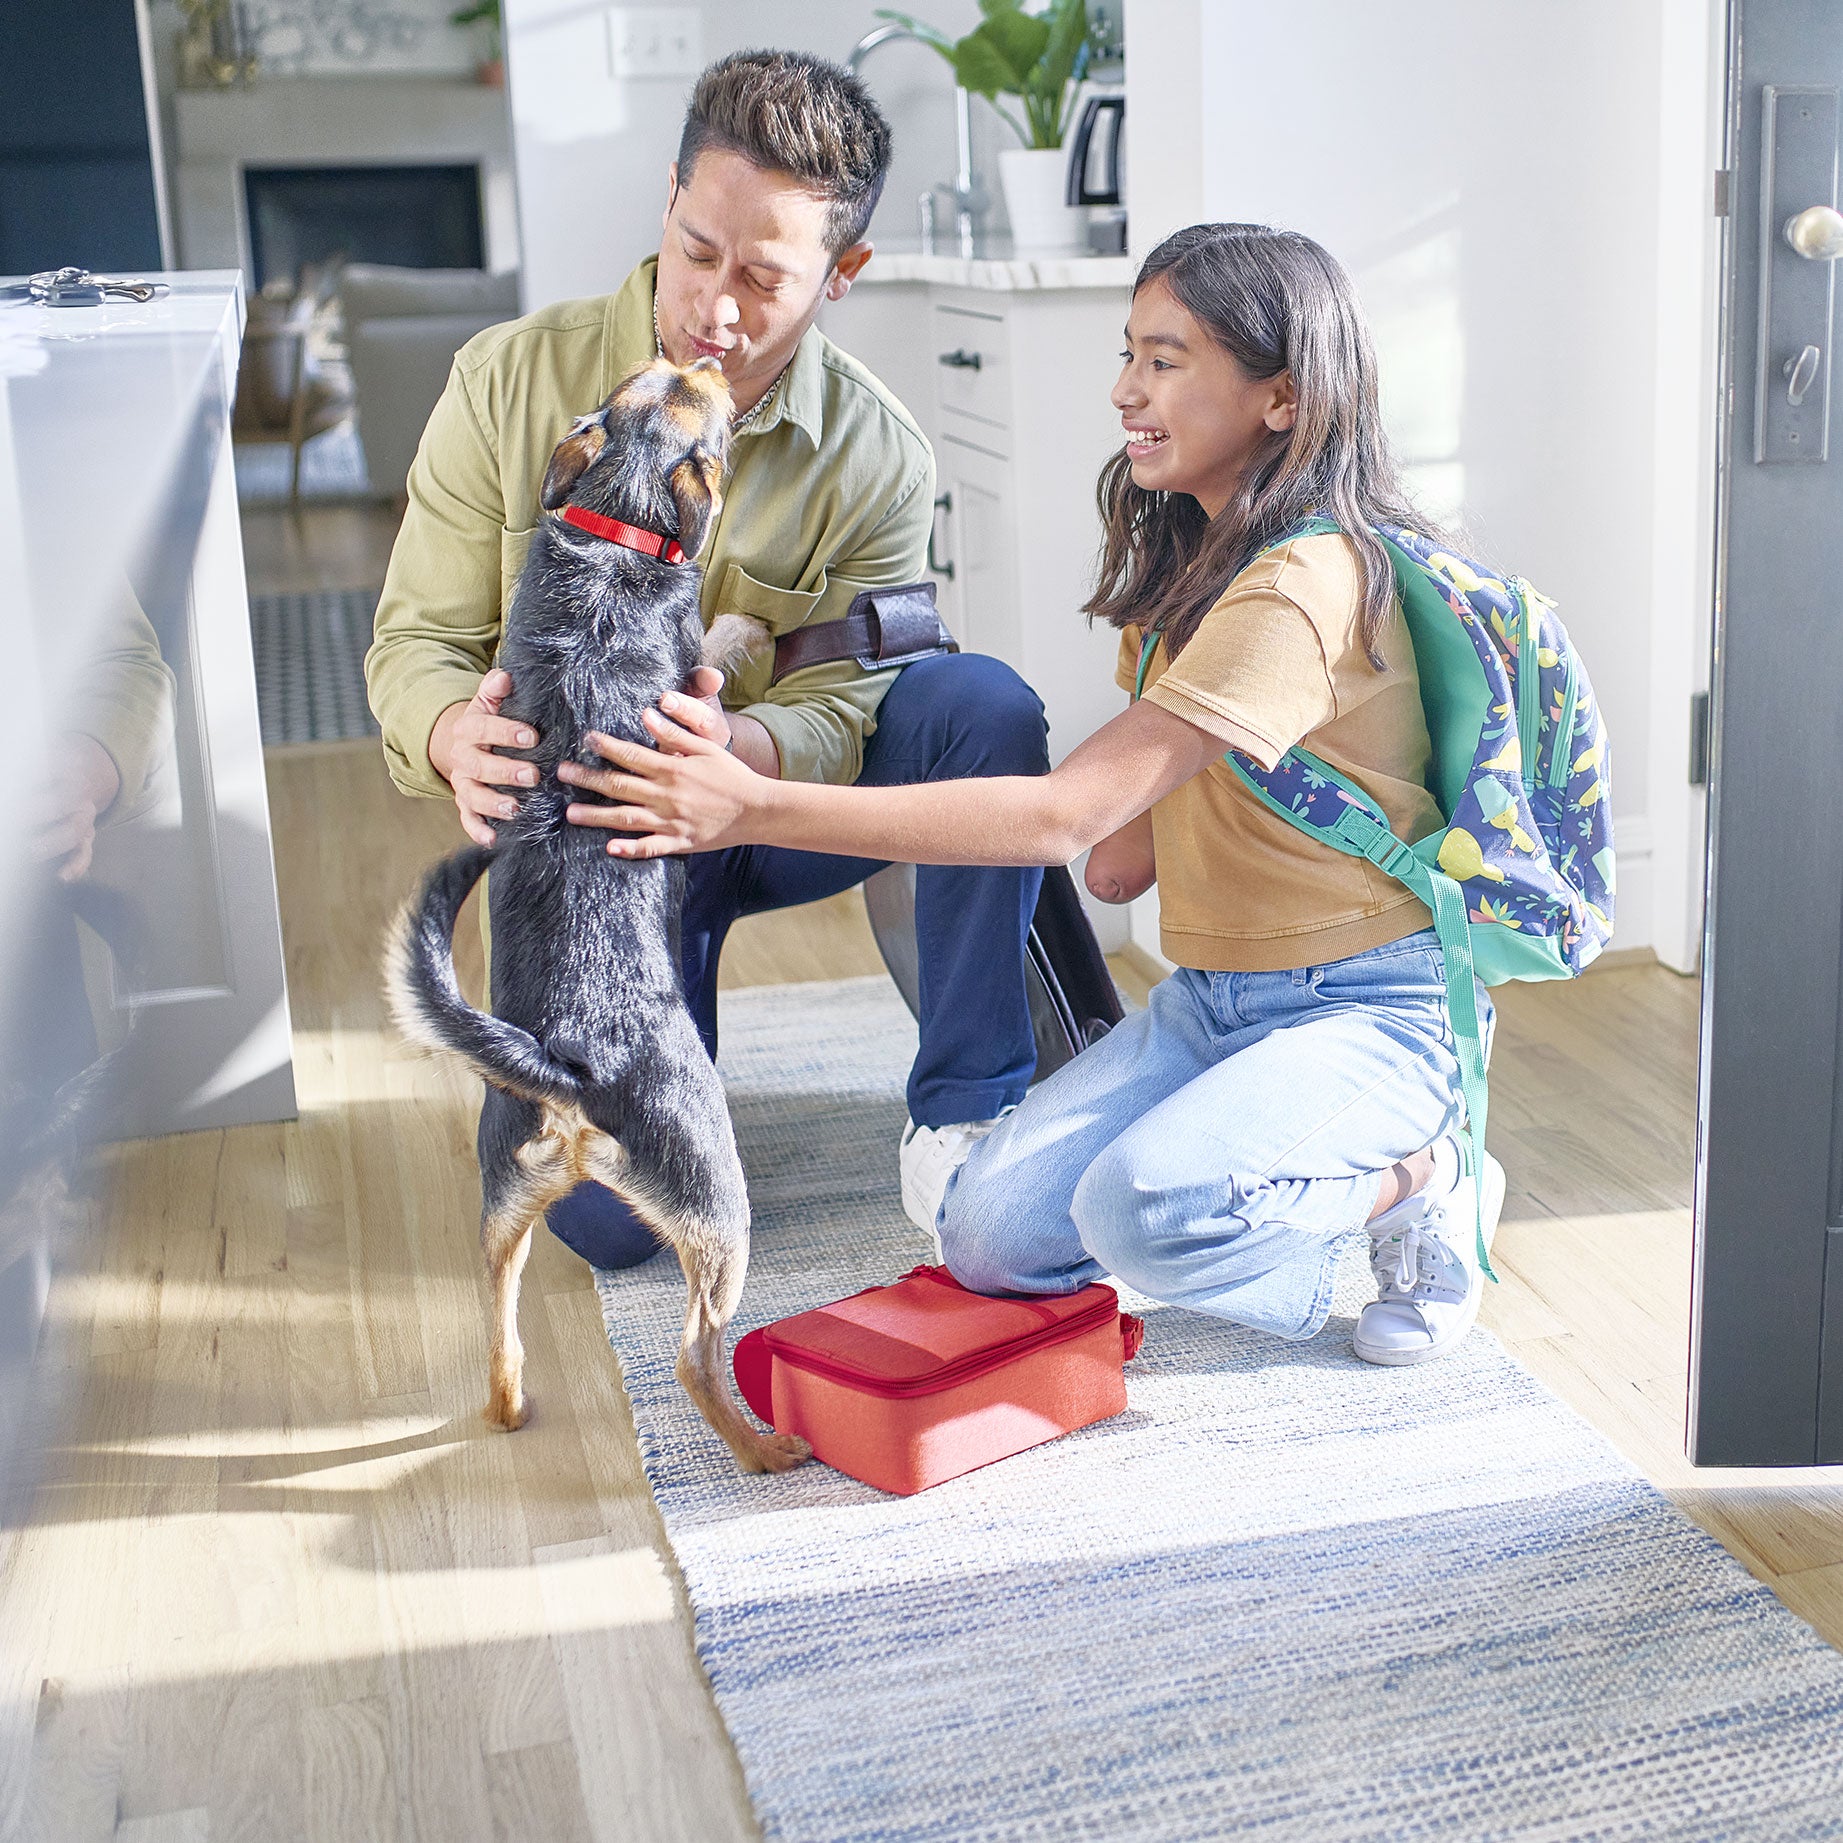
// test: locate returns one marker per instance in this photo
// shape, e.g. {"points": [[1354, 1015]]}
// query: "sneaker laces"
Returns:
{"points": [[1418, 1265]]}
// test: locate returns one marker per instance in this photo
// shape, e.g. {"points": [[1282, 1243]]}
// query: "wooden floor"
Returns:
{"points": [[280, 1581]]}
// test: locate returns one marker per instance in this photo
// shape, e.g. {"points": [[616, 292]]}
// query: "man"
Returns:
{"points": [[831, 491]]}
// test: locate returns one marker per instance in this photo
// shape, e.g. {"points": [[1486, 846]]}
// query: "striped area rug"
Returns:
{"points": [[1286, 1594], [332, 468], [310, 664]]}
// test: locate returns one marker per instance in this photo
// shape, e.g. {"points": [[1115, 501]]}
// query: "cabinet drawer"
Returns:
{"points": [[973, 366]]}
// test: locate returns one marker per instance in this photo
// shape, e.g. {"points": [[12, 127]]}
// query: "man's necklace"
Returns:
{"points": [[737, 423]]}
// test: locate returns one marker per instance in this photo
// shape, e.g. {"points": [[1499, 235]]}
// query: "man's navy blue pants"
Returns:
{"points": [[953, 717]]}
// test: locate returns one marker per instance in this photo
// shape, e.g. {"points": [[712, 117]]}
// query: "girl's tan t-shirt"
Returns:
{"points": [[1281, 657]]}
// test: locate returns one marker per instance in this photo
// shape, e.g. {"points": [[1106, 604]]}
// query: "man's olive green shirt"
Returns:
{"points": [[830, 491]]}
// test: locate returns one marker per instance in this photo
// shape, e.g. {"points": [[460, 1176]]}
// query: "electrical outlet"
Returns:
{"points": [[655, 41]]}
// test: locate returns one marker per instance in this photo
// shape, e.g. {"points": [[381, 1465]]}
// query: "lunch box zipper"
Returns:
{"points": [[964, 1369]]}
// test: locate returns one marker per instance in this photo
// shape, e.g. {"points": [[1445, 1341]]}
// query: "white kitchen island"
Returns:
{"points": [[126, 625]]}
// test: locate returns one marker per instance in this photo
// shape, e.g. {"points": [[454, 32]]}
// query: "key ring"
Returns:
{"points": [[71, 287]]}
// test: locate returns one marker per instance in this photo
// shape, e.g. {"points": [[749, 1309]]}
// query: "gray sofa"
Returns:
{"points": [[403, 328]]}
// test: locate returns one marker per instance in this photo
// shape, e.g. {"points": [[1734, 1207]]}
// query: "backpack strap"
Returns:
{"points": [[1362, 831]]}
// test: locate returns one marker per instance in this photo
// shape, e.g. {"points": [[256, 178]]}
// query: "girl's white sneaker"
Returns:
{"points": [[1425, 1260]]}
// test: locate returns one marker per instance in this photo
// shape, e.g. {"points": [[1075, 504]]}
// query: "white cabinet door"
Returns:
{"points": [[983, 522]]}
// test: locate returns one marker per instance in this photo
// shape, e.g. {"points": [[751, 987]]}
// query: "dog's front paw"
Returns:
{"points": [[507, 1411]]}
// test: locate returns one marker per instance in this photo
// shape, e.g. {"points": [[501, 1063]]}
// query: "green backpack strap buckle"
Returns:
{"points": [[1372, 839]]}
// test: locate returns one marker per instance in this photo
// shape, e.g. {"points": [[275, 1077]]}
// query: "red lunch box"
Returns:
{"points": [[907, 1385]]}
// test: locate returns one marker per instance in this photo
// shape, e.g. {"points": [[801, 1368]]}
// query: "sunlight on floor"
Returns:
{"points": [[193, 1617]]}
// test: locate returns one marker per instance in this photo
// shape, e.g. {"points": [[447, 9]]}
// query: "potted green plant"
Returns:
{"points": [[1036, 59], [491, 69]]}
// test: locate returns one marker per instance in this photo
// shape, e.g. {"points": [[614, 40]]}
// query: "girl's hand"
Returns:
{"points": [[688, 794]]}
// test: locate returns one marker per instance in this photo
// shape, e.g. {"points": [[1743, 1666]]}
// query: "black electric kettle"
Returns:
{"points": [[1081, 156]]}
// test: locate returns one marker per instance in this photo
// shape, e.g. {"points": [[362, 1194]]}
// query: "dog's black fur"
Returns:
{"points": [[594, 1067]]}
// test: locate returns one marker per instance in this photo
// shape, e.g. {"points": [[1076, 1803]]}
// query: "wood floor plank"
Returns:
{"points": [[616, 1635], [536, 1793], [192, 1826], [1816, 1596], [332, 1542], [348, 1779]]}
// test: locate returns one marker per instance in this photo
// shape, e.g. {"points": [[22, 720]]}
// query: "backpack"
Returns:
{"points": [[1520, 881]]}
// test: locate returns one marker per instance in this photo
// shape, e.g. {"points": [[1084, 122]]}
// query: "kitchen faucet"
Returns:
{"points": [[968, 196]]}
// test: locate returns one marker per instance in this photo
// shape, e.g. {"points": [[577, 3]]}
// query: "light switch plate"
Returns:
{"points": [[655, 41]]}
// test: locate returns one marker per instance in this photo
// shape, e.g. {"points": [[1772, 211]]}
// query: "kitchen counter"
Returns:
{"points": [[999, 274]]}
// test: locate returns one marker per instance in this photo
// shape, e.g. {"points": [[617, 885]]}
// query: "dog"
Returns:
{"points": [[593, 1065]]}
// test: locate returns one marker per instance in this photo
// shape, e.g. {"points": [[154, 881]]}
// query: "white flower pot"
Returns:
{"points": [[1035, 181]]}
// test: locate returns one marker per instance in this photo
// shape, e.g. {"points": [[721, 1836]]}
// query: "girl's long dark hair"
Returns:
{"points": [[1275, 301]]}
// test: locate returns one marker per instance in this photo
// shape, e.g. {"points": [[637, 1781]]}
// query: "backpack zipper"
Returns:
{"points": [[1564, 734], [1529, 683]]}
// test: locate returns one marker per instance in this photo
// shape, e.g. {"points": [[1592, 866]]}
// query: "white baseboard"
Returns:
{"points": [[1635, 899]]}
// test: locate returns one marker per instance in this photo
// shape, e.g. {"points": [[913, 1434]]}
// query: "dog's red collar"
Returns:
{"points": [[648, 543]]}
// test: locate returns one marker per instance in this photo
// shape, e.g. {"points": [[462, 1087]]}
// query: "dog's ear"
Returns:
{"points": [[697, 483], [572, 457]]}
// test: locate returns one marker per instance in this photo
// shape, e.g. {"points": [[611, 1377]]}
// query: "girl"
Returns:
{"points": [[1294, 1082]]}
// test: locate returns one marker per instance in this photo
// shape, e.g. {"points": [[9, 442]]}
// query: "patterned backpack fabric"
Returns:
{"points": [[1520, 880]]}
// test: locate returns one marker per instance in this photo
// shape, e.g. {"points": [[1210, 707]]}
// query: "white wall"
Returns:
{"points": [[1522, 196], [592, 149]]}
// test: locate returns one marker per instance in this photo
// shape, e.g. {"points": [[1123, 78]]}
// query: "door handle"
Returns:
{"points": [[942, 504], [1801, 236], [1816, 233], [1801, 370], [962, 360]]}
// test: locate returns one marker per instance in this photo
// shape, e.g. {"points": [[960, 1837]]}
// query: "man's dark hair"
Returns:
{"points": [[788, 112]]}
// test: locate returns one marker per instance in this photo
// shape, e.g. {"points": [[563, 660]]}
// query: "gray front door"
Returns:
{"points": [[1766, 1359]]}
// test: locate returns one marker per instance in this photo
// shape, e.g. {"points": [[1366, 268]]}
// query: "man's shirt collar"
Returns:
{"points": [[799, 397]]}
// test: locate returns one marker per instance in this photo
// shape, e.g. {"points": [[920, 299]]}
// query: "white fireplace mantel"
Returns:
{"points": [[333, 121]]}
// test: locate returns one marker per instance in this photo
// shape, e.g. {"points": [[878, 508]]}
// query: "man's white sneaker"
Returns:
{"points": [[1429, 1282], [928, 1158]]}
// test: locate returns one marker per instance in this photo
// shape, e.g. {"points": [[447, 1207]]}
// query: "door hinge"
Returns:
{"points": [[1699, 739], [1723, 180]]}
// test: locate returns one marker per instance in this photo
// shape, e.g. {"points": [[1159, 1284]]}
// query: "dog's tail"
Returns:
{"points": [[425, 997]]}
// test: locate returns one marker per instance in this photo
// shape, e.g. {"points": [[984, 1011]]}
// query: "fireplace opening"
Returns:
{"points": [[417, 217]]}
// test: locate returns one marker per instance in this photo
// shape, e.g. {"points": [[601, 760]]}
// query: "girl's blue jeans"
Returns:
{"points": [[1216, 1148]]}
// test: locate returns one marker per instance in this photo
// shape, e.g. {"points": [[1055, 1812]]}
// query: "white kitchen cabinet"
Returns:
{"points": [[1007, 367]]}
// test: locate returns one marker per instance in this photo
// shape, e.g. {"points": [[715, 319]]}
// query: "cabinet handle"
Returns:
{"points": [[962, 360], [944, 503]]}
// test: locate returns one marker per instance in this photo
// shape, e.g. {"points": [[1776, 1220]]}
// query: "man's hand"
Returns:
{"points": [[81, 786], [461, 751]]}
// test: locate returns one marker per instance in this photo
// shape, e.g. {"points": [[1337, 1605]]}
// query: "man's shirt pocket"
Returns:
{"points": [[781, 609]]}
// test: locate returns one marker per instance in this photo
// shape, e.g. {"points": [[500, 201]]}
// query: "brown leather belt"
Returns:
{"points": [[881, 628]]}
